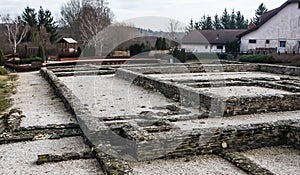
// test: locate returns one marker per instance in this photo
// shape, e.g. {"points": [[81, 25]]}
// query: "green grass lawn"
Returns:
{"points": [[6, 89]]}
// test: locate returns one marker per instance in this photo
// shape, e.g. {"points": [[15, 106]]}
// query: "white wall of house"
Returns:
{"points": [[202, 48], [285, 26]]}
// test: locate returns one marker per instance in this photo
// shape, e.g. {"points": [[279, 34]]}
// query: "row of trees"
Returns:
{"points": [[31, 26], [226, 21], [85, 18], [235, 20], [42, 25]]}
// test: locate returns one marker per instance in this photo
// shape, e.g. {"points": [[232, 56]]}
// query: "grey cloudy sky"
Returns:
{"points": [[181, 10]]}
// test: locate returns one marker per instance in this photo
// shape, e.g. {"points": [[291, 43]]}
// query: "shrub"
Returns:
{"points": [[222, 55], [3, 71], [41, 53], [2, 58], [179, 54], [27, 60], [257, 59]]}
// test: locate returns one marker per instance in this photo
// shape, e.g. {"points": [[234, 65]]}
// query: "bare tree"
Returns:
{"points": [[94, 17], [70, 13], [16, 30], [173, 27], [88, 18]]}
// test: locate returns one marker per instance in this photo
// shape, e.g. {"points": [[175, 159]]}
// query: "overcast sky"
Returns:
{"points": [[181, 10]]}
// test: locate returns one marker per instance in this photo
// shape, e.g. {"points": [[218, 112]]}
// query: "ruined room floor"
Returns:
{"points": [[109, 96], [206, 165], [20, 158], [279, 160]]}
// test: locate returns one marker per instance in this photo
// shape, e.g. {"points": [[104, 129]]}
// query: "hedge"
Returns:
{"points": [[27, 60], [257, 59]]}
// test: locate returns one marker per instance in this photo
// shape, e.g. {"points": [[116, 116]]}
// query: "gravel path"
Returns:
{"points": [[204, 165], [279, 160], [38, 102]]}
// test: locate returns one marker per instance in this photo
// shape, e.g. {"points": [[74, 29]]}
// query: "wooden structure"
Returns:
{"points": [[67, 45]]}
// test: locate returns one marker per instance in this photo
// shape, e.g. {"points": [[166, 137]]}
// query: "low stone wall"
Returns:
{"points": [[190, 68], [250, 105], [277, 69], [189, 96], [233, 138], [294, 135]]}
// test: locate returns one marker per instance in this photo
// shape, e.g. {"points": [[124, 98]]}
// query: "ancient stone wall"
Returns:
{"points": [[277, 69], [236, 138]]}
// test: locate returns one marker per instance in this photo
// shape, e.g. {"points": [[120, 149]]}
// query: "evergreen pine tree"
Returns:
{"points": [[41, 53], [261, 10], [225, 19], [232, 22], [217, 23]]}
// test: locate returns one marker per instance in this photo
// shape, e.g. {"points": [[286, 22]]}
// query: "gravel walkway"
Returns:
{"points": [[204, 165], [38, 102], [279, 160]]}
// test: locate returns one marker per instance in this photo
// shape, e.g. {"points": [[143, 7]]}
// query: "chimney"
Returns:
{"points": [[252, 25]]}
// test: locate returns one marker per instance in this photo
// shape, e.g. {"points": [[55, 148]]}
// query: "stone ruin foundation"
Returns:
{"points": [[181, 110]]}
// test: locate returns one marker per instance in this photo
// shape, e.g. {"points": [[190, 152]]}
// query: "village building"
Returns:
{"points": [[278, 31], [209, 40]]}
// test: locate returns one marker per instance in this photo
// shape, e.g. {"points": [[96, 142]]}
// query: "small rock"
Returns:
{"points": [[54, 136], [224, 145], [172, 107]]}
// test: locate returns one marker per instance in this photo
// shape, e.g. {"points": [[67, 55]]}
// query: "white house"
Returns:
{"points": [[278, 30], [209, 40]]}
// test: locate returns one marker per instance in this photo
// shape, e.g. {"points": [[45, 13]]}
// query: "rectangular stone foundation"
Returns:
{"points": [[268, 92]]}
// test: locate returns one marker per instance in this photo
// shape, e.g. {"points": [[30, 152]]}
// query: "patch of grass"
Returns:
{"points": [[6, 89], [3, 71]]}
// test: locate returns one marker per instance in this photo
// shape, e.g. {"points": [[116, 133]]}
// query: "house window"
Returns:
{"points": [[267, 41], [220, 47], [298, 5], [206, 46], [282, 43], [252, 41]]}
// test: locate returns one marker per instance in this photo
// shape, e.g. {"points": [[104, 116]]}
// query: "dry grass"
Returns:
{"points": [[7, 86]]}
